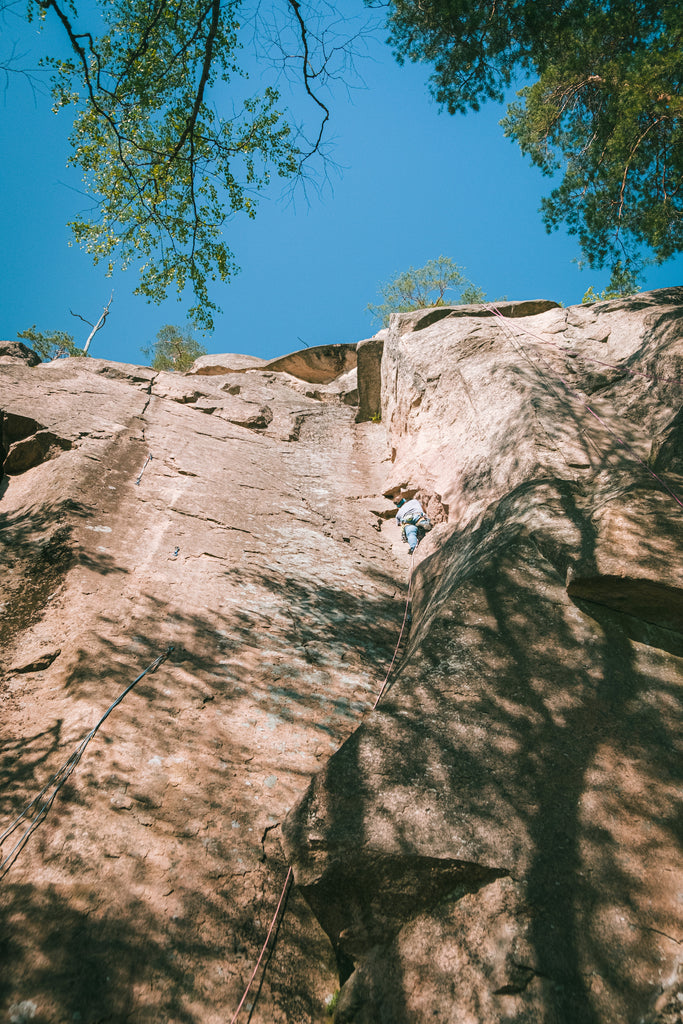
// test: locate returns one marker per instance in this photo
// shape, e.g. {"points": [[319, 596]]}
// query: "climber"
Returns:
{"points": [[413, 521]]}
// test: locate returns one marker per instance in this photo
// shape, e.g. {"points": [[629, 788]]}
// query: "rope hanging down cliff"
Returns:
{"points": [[279, 912], [400, 635], [277, 917], [36, 811], [282, 903]]}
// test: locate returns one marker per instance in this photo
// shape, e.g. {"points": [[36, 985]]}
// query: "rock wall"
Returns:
{"points": [[497, 841], [236, 518]]}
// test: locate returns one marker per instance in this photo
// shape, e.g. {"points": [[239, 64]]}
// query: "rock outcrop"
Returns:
{"points": [[496, 841], [370, 378], [237, 519], [13, 350], [320, 364]]}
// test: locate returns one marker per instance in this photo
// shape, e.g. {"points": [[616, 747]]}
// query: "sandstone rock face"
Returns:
{"points": [[419, 319], [370, 378], [497, 842], [320, 364], [229, 363], [236, 519]]}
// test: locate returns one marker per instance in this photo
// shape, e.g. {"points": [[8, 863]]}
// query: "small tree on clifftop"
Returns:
{"points": [[174, 349], [426, 286], [623, 281], [51, 344]]}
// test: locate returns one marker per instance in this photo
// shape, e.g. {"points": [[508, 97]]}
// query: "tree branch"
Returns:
{"points": [[215, 9], [308, 76], [98, 326]]}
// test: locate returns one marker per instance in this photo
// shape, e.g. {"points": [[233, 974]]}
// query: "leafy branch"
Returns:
{"points": [[166, 168]]}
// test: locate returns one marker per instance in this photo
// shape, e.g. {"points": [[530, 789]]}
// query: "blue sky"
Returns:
{"points": [[414, 184]]}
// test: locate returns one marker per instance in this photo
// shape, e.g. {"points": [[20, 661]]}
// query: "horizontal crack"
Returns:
{"points": [[207, 519]]}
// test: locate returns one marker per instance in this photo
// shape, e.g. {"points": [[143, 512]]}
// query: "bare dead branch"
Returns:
{"points": [[97, 327]]}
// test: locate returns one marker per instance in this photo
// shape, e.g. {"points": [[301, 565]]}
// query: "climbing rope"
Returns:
{"points": [[576, 395], [400, 635], [579, 398], [276, 916], [290, 875], [573, 354], [36, 811]]}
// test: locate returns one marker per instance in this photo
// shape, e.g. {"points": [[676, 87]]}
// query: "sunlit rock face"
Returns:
{"points": [[234, 516], [495, 841]]}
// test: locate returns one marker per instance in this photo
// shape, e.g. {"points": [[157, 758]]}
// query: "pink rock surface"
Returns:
{"points": [[496, 842], [253, 549]]}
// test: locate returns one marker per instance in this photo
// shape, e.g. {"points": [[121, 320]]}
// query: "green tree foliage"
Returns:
{"points": [[174, 349], [604, 110], [623, 281], [166, 164], [471, 295], [425, 286], [51, 344]]}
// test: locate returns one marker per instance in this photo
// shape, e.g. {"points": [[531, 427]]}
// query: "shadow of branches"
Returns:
{"points": [[148, 889], [522, 733]]}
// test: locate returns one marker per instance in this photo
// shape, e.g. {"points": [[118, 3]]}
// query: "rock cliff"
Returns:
{"points": [[496, 841]]}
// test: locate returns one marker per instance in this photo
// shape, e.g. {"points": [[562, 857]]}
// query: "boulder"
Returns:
{"points": [[419, 319], [317, 365], [320, 364], [212, 365], [16, 350], [31, 451], [36, 661]]}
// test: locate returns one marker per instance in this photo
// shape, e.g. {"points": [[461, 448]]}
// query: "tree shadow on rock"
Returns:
{"points": [[152, 858], [522, 736]]}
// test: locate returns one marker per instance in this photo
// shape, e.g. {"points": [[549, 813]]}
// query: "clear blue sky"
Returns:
{"points": [[415, 184]]}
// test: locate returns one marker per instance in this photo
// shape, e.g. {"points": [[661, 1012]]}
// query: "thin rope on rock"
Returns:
{"points": [[573, 354], [290, 874], [37, 810], [400, 635], [624, 444], [283, 895]]}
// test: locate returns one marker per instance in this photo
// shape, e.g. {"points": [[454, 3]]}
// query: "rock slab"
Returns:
{"points": [[497, 841], [230, 517]]}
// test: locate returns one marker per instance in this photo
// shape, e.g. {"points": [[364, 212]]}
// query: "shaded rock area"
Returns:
{"points": [[370, 378], [11, 350], [499, 840]]}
